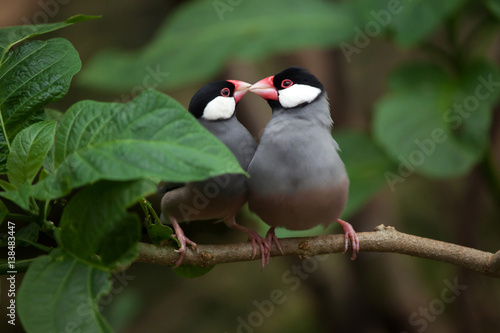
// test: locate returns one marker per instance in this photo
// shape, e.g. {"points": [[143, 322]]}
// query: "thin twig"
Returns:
{"points": [[383, 239]]}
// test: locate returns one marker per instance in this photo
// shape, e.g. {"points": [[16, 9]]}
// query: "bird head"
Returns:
{"points": [[290, 88], [217, 100]]}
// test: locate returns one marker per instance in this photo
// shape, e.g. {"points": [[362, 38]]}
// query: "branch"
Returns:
{"points": [[383, 239]]}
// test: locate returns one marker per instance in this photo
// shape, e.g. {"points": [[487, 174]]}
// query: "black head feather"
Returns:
{"points": [[297, 75], [206, 94]]}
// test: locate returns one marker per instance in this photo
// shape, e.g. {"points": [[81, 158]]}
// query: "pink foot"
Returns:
{"points": [[270, 238], [256, 240], [349, 233], [179, 234]]}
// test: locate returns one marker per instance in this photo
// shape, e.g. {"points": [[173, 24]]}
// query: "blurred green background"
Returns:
{"points": [[395, 71]]}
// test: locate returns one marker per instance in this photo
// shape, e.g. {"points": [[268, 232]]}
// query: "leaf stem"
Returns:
{"points": [[151, 209], [4, 131], [21, 266], [39, 246], [34, 206], [148, 211], [42, 217], [144, 205]]}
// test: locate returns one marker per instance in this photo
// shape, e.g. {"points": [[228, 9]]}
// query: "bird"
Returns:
{"points": [[221, 197], [297, 178]]}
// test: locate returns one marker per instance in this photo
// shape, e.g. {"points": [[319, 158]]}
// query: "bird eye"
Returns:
{"points": [[286, 83], [225, 92]]}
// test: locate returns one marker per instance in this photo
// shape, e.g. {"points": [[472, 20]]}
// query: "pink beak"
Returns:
{"points": [[265, 88], [241, 88]]}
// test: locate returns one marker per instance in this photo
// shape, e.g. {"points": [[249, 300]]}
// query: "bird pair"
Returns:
{"points": [[297, 179]]}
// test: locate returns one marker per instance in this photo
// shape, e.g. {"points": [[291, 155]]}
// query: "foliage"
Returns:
{"points": [[446, 119], [242, 33], [102, 158], [44, 305]]}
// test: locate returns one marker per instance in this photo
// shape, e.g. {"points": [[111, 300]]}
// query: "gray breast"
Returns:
{"points": [[296, 152], [297, 179]]}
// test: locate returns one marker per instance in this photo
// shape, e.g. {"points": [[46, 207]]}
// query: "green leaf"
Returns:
{"points": [[95, 226], [126, 258], [25, 236], [424, 14], [43, 173], [53, 114], [188, 271], [10, 36], [439, 127], [158, 233], [31, 76], [60, 294], [29, 149], [6, 186], [153, 137], [20, 196], [221, 32], [48, 163], [3, 211]]}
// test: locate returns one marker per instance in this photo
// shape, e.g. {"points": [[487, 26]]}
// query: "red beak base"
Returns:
{"points": [[265, 89], [241, 88]]}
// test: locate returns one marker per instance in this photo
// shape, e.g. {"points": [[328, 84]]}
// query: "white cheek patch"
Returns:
{"points": [[219, 108], [297, 94]]}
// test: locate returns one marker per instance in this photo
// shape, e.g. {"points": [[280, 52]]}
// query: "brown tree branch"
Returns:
{"points": [[383, 239]]}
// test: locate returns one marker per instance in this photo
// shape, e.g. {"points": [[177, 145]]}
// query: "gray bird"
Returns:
{"points": [[297, 179], [220, 197]]}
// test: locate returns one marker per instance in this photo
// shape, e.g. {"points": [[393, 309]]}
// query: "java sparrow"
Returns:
{"points": [[297, 179], [219, 197]]}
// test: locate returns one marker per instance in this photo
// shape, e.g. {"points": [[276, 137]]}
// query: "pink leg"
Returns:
{"points": [[179, 234], [270, 238], [255, 238], [349, 233]]}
